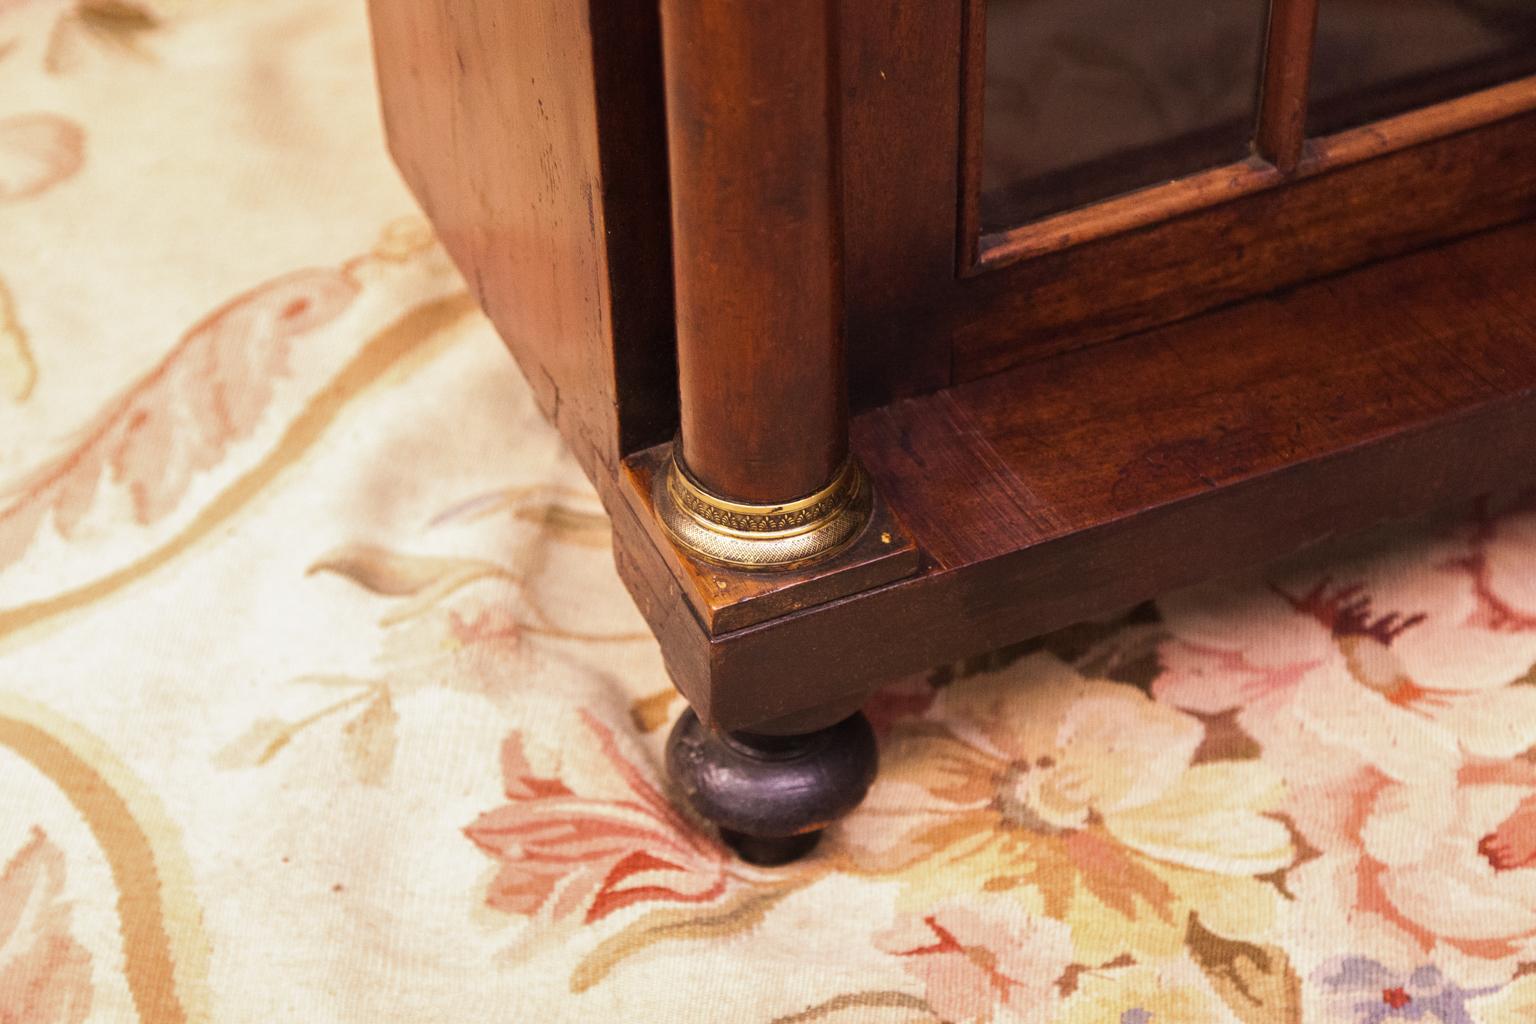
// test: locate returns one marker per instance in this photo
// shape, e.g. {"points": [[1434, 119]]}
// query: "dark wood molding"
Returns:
{"points": [[901, 165], [1104, 476], [1393, 199], [1222, 185], [973, 91], [1127, 264]]}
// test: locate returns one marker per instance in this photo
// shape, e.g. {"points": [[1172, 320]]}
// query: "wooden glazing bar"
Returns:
{"points": [[1282, 129]]}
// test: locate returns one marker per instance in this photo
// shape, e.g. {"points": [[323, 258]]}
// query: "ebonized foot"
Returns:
{"points": [[772, 795]]}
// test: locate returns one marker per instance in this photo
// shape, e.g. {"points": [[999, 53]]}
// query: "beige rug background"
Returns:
{"points": [[320, 699]]}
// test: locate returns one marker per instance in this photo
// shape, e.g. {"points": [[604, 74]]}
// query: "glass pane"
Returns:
{"points": [[1086, 99], [1376, 58]]}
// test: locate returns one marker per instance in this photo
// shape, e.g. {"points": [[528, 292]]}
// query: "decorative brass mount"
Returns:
{"points": [[762, 537]]}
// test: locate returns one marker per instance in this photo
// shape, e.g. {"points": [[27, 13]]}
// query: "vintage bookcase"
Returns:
{"points": [[894, 332]]}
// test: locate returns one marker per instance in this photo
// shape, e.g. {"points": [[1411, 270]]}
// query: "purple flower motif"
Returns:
{"points": [[1370, 992]]}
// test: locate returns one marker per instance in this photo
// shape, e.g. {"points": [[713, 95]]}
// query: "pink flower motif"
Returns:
{"points": [[1324, 668], [1512, 842], [561, 850], [1347, 611], [496, 624], [45, 975], [1406, 848], [1497, 565], [984, 962]]}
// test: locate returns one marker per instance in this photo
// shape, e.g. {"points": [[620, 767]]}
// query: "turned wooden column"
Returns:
{"points": [[757, 257], [761, 477], [757, 244]]}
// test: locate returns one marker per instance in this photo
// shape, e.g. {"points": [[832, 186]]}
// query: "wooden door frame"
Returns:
{"points": [[931, 303]]}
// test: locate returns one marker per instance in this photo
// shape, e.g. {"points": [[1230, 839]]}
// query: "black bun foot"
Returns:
{"points": [[770, 853], [772, 795]]}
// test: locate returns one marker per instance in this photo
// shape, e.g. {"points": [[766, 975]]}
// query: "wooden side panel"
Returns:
{"points": [[632, 148], [494, 113]]}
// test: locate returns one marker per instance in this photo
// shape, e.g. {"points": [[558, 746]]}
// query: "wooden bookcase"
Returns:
{"points": [[734, 243]]}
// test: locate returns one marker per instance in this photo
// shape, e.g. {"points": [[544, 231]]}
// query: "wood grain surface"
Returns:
{"points": [[533, 136], [1101, 477], [756, 218]]}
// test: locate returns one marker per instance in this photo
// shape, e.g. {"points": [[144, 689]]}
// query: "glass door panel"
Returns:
{"points": [[1087, 99], [1377, 58]]}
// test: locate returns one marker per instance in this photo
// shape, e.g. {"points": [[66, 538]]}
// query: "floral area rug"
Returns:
{"points": [[320, 699]]}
